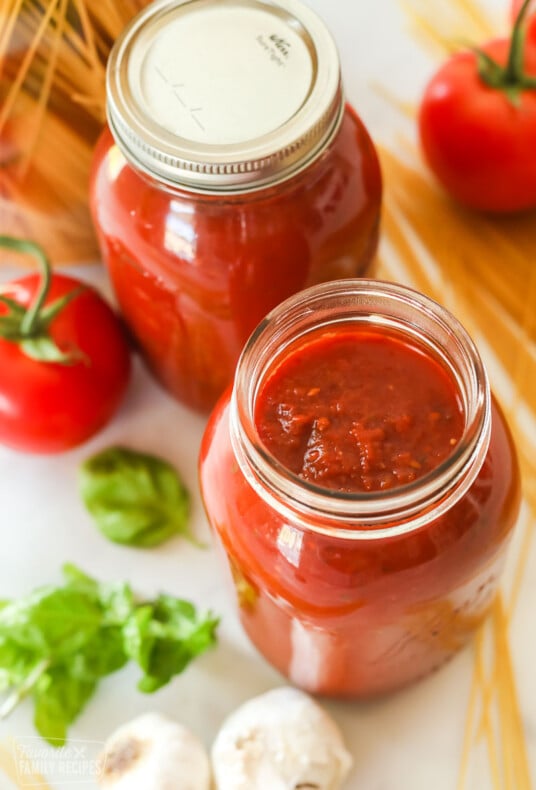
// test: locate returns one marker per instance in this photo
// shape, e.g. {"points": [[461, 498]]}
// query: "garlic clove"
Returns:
{"points": [[282, 740], [153, 753]]}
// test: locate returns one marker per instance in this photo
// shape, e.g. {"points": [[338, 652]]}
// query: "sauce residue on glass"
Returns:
{"points": [[359, 410]]}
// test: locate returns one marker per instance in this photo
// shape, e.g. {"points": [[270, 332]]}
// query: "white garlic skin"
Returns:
{"points": [[281, 740], [154, 753]]}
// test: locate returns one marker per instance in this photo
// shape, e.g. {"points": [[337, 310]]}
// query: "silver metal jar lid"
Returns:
{"points": [[224, 95]]}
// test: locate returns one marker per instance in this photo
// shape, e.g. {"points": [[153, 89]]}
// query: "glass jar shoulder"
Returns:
{"points": [[336, 199]]}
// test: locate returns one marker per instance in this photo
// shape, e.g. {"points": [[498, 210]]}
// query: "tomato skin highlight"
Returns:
{"points": [[477, 141], [47, 407]]}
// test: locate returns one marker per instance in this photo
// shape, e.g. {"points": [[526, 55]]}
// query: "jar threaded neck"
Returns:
{"points": [[376, 304]]}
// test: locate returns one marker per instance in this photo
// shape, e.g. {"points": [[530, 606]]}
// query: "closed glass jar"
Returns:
{"points": [[230, 176], [355, 593]]}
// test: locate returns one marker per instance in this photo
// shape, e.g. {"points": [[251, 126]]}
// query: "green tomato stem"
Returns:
{"points": [[49, 313], [29, 327], [30, 318], [514, 68], [12, 305], [24, 689], [511, 79]]}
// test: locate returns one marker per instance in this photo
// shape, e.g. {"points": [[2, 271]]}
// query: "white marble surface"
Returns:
{"points": [[411, 741]]}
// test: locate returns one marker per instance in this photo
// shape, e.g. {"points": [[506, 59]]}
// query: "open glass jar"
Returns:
{"points": [[355, 591], [230, 176]]}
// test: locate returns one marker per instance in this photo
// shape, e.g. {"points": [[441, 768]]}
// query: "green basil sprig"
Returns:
{"points": [[58, 642]]}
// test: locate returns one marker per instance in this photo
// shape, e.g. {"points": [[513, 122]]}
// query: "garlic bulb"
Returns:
{"points": [[154, 753], [282, 740]]}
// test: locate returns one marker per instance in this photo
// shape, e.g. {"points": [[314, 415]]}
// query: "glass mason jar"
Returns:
{"points": [[230, 176], [358, 593]]}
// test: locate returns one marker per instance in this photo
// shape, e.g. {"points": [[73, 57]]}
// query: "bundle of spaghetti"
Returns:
{"points": [[52, 97], [445, 25]]}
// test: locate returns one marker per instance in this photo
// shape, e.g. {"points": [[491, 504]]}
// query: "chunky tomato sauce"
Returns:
{"points": [[194, 274], [350, 617], [360, 411]]}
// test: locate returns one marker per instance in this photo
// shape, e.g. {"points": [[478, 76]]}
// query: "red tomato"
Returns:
{"points": [[47, 407], [479, 142]]}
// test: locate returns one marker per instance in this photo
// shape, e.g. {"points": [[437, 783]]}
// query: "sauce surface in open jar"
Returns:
{"points": [[231, 175], [363, 484], [344, 411]]}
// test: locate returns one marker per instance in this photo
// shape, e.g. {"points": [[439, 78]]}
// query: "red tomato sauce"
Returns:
{"points": [[360, 411]]}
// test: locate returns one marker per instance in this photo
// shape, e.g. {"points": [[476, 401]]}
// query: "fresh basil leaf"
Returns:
{"points": [[118, 602], [101, 656], [117, 598], [15, 663], [139, 636], [53, 621], [59, 697], [165, 637], [174, 610], [170, 656], [78, 580], [135, 498]]}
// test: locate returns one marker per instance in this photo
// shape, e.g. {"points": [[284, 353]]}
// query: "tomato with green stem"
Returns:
{"points": [[477, 123], [64, 359]]}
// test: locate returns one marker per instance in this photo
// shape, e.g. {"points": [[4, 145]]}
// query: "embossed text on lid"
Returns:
{"points": [[224, 95]]}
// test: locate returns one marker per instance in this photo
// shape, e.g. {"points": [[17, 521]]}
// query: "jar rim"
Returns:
{"points": [[366, 515], [213, 129]]}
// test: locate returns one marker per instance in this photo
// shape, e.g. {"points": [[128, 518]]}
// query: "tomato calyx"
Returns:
{"points": [[511, 79], [29, 326]]}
